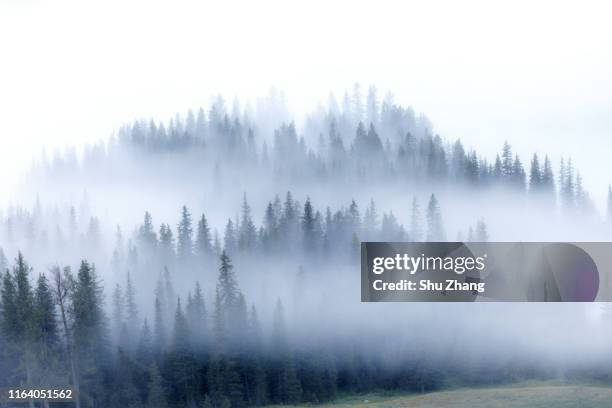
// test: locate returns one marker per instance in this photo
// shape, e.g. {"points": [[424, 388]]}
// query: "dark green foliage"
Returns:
{"points": [[285, 387], [45, 319], [181, 329], [308, 227], [156, 391], [89, 333], [126, 392]]}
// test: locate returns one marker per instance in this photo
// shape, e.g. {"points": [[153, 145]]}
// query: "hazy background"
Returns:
{"points": [[535, 73]]}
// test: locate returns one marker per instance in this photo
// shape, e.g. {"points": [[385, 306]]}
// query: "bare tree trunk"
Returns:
{"points": [[61, 291]]}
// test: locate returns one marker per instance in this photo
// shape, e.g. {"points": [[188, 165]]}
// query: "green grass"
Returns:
{"points": [[540, 395]]}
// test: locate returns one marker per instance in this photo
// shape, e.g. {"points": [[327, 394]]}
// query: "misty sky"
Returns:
{"points": [[537, 74]]}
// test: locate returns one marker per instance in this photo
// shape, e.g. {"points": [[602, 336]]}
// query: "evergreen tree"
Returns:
{"points": [[118, 314], [181, 329], [248, 232], [435, 229], [166, 241], [370, 221], [498, 171], [229, 238], [548, 182], [184, 247], [518, 174], [203, 240], [196, 316], [536, 178], [481, 231], [45, 315], [3, 261], [159, 327], [131, 308], [89, 333], [156, 393], [288, 222], [416, 228], [256, 375], [18, 322], [353, 218], [146, 233], [308, 227], [145, 344], [507, 164], [227, 285], [286, 388]]}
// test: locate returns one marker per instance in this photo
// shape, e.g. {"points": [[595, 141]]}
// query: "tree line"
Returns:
{"points": [[342, 142]]}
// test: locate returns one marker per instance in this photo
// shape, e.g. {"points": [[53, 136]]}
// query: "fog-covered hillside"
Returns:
{"points": [[213, 260]]}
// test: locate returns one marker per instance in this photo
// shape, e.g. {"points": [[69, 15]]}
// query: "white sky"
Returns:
{"points": [[536, 73]]}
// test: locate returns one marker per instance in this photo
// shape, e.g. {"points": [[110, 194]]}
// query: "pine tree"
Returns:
{"points": [[248, 232], [45, 317], [288, 222], [3, 261], [498, 169], [159, 327], [184, 248], [458, 161], [370, 221], [203, 240], [166, 241], [353, 218], [308, 227], [536, 178], [89, 333], [482, 234], [548, 183], [118, 313], [286, 387], [131, 308], [145, 344], [146, 233], [227, 284], [416, 228], [518, 174], [196, 316], [156, 395], [229, 238], [507, 165], [256, 375], [181, 329], [435, 229], [18, 321]]}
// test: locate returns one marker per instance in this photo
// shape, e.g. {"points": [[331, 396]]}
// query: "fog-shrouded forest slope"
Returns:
{"points": [[213, 261]]}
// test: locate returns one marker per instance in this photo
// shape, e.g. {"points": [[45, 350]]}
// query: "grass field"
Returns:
{"points": [[520, 396]]}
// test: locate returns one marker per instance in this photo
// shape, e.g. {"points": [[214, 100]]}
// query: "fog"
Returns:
{"points": [[544, 86], [297, 131], [259, 170]]}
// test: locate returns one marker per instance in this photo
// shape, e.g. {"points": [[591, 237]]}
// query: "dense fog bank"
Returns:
{"points": [[213, 260]]}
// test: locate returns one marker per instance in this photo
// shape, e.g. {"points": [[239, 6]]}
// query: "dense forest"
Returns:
{"points": [[217, 307]]}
